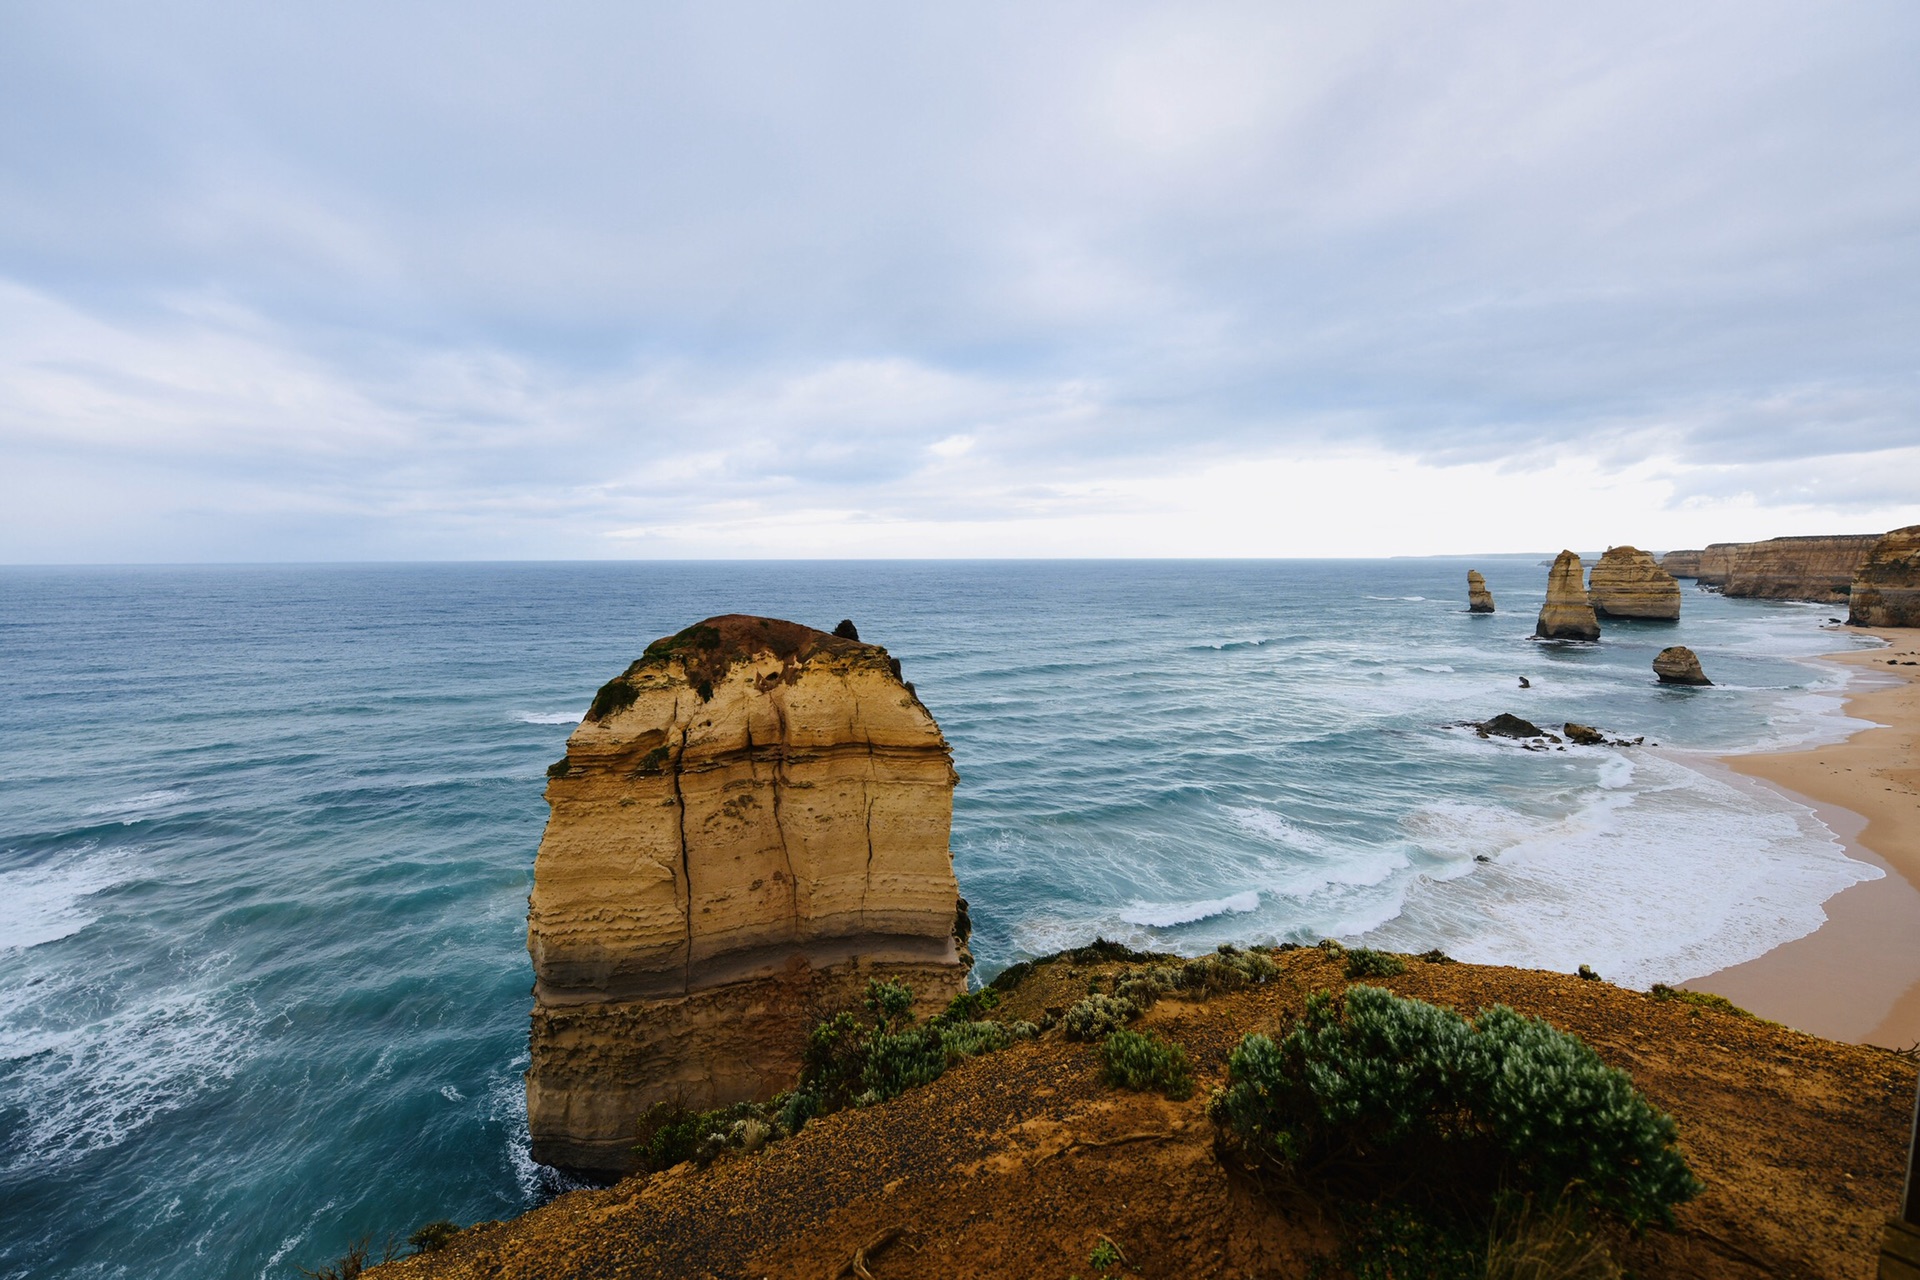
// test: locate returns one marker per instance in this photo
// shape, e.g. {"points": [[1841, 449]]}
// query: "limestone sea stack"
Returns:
{"points": [[1479, 599], [750, 823], [1886, 590], [1677, 664], [1567, 615], [1627, 583]]}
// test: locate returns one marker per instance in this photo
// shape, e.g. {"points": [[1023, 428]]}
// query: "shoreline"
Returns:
{"points": [[1857, 977]]}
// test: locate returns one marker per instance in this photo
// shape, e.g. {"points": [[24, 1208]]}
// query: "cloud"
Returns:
{"points": [[437, 280]]}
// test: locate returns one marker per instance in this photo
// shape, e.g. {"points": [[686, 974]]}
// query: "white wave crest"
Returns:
{"points": [[45, 903], [1167, 915], [547, 717]]}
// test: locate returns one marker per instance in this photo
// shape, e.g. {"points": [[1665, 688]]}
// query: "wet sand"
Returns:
{"points": [[1857, 977]]}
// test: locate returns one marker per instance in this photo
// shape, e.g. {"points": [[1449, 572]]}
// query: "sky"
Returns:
{"points": [[575, 280]]}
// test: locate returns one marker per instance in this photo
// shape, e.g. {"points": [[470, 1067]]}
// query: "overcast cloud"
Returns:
{"points": [[579, 280]]}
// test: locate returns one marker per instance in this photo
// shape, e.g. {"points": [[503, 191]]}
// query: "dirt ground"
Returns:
{"points": [[1018, 1163]]}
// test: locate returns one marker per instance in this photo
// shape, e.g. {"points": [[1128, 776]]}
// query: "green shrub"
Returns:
{"points": [[1392, 1242], [1136, 1061], [1105, 1255], [1365, 963], [851, 1062], [1095, 1016], [1145, 986], [615, 695], [1375, 1086], [433, 1236], [560, 768], [1228, 969], [968, 1006], [1698, 999]]}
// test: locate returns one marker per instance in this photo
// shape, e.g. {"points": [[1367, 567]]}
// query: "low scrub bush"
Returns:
{"points": [[1394, 1091], [1146, 1062], [854, 1062], [1365, 963], [1698, 999], [1099, 1015], [433, 1236]]}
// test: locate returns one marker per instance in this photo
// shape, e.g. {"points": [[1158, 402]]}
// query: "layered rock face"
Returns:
{"points": [[1626, 583], [1479, 599], [1677, 664], [750, 823], [1798, 568], [1715, 563], [1567, 615], [1817, 568], [1886, 590], [1682, 564]]}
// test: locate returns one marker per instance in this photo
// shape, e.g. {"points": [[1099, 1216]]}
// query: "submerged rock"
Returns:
{"points": [[1886, 589], [1678, 664], [750, 823], [1567, 615], [1479, 599], [1626, 583]]}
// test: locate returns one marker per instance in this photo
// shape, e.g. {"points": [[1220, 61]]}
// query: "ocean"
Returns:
{"points": [[267, 833]]}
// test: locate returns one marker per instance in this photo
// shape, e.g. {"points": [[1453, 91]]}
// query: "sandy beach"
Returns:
{"points": [[1857, 977]]}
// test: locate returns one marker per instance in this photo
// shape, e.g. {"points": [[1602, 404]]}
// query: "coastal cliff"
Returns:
{"points": [[750, 823], [1024, 1162], [1627, 583], [1886, 590], [1811, 568], [1567, 615], [1682, 564]]}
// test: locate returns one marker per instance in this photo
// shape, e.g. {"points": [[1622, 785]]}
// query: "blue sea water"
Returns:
{"points": [[266, 833]]}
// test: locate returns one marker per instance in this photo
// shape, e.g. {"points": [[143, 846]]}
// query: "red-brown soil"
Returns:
{"points": [[1017, 1163]]}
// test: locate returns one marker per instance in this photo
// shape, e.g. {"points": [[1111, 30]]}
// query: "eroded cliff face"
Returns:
{"points": [[750, 823], [1479, 599], [1626, 583], [1886, 590], [1567, 615], [1798, 568], [1816, 568], [1682, 564]]}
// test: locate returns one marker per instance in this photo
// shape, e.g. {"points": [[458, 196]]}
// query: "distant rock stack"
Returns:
{"points": [[1627, 583], [750, 823], [1886, 590], [1479, 599], [1567, 615], [1678, 664]]}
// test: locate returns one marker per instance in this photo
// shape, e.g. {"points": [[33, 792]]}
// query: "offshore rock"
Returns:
{"points": [[1678, 664], [750, 823], [1479, 599], [1886, 590], [1508, 725], [1627, 583], [1566, 615]]}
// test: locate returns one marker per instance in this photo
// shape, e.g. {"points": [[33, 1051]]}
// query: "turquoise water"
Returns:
{"points": [[266, 833]]}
